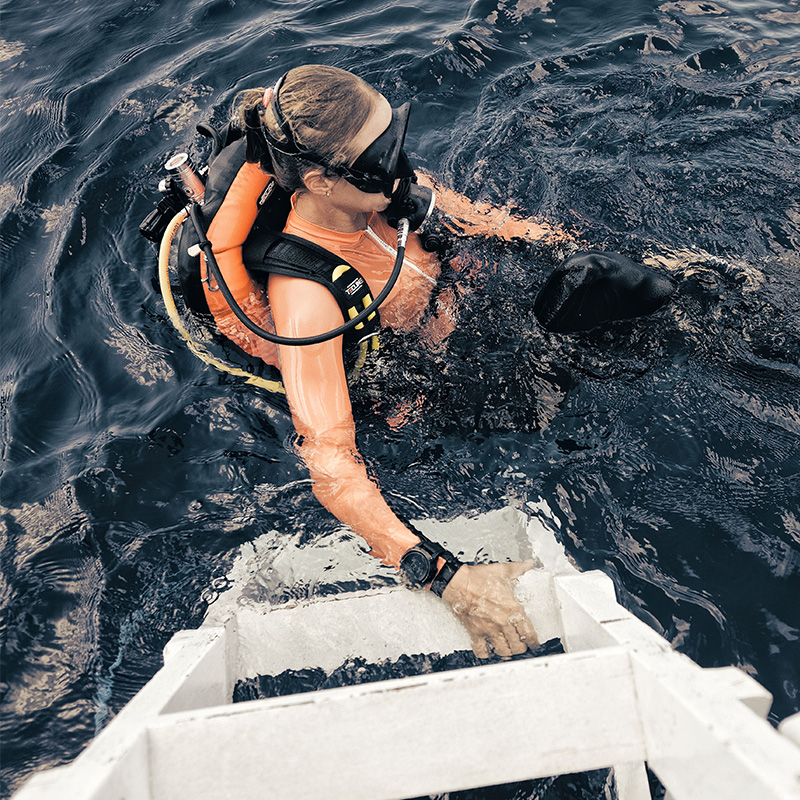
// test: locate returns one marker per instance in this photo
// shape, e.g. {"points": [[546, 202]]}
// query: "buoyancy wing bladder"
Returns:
{"points": [[273, 209], [590, 288]]}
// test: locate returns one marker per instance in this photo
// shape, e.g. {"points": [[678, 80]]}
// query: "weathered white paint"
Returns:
{"points": [[592, 618], [790, 728], [116, 765], [619, 697], [630, 781], [408, 737], [744, 688], [702, 742]]}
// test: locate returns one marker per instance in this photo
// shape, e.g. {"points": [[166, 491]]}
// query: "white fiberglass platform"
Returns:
{"points": [[619, 698]]}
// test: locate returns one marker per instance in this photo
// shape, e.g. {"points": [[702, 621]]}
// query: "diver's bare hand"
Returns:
{"points": [[482, 597]]}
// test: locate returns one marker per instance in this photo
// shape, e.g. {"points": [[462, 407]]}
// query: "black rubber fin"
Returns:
{"points": [[591, 288]]}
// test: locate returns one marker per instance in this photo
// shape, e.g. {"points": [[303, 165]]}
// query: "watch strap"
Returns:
{"points": [[434, 549], [445, 574]]}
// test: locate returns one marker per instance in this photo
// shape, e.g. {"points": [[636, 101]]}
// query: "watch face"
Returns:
{"points": [[416, 565]]}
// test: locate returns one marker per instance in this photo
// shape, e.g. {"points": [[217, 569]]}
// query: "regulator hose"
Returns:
{"points": [[206, 247]]}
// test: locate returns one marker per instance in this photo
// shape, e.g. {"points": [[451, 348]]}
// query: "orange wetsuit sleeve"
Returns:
{"points": [[228, 231], [482, 219], [316, 388]]}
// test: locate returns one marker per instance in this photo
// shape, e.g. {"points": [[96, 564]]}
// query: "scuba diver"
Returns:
{"points": [[304, 242]]}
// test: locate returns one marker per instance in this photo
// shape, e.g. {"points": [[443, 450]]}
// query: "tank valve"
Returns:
{"points": [[180, 167]]}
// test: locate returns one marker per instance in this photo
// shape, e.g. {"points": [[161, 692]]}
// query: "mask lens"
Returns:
{"points": [[376, 169]]}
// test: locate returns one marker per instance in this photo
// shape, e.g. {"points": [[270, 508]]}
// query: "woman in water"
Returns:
{"points": [[335, 143]]}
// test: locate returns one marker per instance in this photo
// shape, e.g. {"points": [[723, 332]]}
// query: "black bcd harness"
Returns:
{"points": [[268, 250]]}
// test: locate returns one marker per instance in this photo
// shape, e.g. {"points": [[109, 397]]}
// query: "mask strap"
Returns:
{"points": [[290, 148]]}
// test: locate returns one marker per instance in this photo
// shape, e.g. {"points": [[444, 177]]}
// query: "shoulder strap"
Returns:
{"points": [[285, 254]]}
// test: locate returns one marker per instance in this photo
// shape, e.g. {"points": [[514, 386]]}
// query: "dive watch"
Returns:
{"points": [[420, 565]]}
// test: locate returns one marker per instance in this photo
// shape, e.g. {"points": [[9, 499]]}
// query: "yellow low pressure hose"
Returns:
{"points": [[174, 316]]}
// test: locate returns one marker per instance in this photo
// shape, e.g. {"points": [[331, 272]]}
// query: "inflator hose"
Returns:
{"points": [[174, 316], [205, 245]]}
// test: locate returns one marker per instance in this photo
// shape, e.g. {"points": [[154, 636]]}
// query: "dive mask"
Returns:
{"points": [[375, 171], [384, 161]]}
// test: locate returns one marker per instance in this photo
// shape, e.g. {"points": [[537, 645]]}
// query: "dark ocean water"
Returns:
{"points": [[669, 447]]}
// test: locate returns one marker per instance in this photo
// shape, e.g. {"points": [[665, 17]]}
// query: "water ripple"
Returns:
{"points": [[668, 446]]}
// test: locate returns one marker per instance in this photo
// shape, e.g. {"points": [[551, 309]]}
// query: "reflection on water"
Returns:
{"points": [[668, 447]]}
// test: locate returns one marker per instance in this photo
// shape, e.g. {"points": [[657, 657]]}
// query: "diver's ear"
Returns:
{"points": [[317, 182]]}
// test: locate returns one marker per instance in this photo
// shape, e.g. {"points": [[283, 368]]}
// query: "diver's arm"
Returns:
{"points": [[482, 219], [316, 388], [481, 596]]}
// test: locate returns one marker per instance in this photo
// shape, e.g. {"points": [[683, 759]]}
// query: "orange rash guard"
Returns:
{"points": [[314, 375]]}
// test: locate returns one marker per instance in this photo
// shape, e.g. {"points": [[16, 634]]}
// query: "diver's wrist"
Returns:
{"points": [[427, 564], [445, 574]]}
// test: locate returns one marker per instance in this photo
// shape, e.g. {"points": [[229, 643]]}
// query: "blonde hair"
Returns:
{"points": [[325, 108]]}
